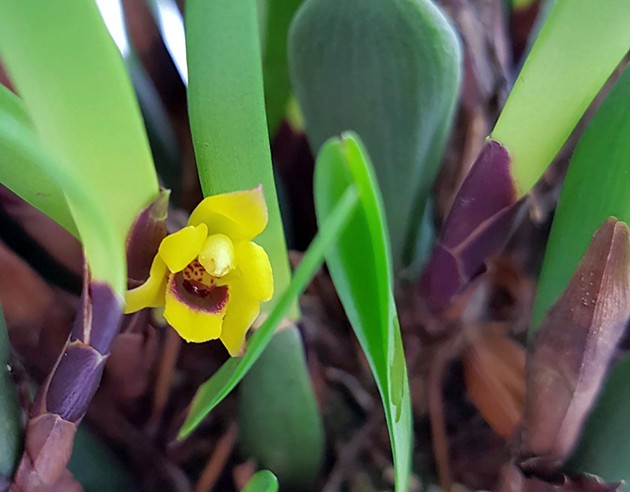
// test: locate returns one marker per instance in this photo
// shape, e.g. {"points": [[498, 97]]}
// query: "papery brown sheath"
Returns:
{"points": [[574, 349]]}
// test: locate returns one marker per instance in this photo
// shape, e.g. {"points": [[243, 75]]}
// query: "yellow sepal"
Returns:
{"points": [[240, 215]]}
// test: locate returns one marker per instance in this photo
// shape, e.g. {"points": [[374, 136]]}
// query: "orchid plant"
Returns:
{"points": [[73, 145], [78, 126]]}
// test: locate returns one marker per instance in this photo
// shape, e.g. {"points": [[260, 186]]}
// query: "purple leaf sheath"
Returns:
{"points": [[479, 222], [63, 399]]}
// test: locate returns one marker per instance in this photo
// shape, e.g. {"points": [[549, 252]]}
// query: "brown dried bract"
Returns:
{"points": [[573, 351], [494, 371]]}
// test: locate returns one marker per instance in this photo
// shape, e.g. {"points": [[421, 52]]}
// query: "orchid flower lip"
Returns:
{"points": [[210, 276]]}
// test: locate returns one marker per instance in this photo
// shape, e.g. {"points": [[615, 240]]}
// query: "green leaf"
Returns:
{"points": [[285, 432], [10, 415], [76, 90], [579, 46], [595, 188], [98, 234], [215, 389], [12, 106], [389, 70], [262, 481], [360, 266], [38, 190], [227, 111], [277, 18]]}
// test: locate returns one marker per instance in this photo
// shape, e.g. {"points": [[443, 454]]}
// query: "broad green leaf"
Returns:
{"points": [[76, 90], [579, 46], [262, 481], [277, 18], [98, 234], [360, 266], [389, 70], [285, 432], [227, 111], [10, 415], [215, 389], [596, 187], [38, 190]]}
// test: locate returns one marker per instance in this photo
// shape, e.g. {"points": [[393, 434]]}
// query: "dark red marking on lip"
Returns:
{"points": [[199, 295], [196, 288]]}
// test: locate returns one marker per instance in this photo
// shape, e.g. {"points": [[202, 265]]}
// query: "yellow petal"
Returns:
{"points": [[239, 215], [194, 323], [180, 248], [217, 255], [253, 263], [150, 293], [242, 311]]}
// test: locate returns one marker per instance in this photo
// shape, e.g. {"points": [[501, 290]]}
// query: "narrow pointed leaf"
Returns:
{"points": [[215, 389], [227, 111], [390, 71], [579, 46], [360, 266]]}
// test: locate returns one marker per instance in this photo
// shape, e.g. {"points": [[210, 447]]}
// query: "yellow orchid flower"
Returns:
{"points": [[209, 276]]}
